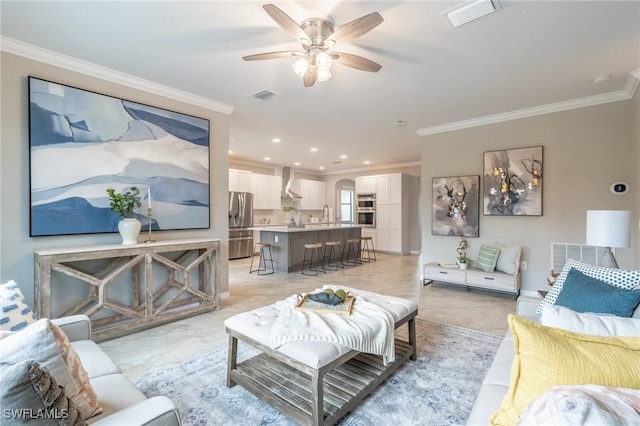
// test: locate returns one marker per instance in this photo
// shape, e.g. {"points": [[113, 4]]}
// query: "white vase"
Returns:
{"points": [[462, 265], [129, 230]]}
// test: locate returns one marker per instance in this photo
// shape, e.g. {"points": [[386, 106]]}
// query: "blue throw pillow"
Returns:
{"points": [[582, 293]]}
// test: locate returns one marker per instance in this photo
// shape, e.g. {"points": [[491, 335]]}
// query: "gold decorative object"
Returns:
{"points": [[554, 275]]}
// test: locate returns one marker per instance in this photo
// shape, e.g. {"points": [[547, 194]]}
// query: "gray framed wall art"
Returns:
{"points": [[456, 206], [513, 182]]}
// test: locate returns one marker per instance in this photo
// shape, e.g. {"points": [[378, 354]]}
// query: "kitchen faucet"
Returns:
{"points": [[325, 208]]}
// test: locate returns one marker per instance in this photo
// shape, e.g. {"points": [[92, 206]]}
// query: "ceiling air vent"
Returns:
{"points": [[470, 11], [264, 95]]}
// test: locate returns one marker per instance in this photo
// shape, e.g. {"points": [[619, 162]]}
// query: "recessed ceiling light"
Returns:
{"points": [[314, 149], [601, 78], [321, 167], [267, 158], [367, 162], [296, 163], [343, 156], [276, 140], [400, 123], [230, 152]]}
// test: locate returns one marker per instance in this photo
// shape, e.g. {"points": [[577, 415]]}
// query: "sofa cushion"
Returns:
{"points": [[599, 325], [29, 390], [487, 258], [116, 393], [546, 357], [617, 277], [508, 259], [590, 405], [94, 360], [14, 311], [46, 344], [582, 293]]}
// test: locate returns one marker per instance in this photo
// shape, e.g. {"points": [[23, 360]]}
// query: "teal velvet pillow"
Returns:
{"points": [[582, 293], [487, 258]]}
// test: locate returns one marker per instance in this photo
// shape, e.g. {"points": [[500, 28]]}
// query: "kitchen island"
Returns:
{"points": [[287, 244]]}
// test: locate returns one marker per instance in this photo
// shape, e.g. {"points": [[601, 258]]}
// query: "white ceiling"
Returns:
{"points": [[527, 55]]}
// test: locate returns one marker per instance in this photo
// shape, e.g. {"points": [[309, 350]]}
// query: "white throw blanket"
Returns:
{"points": [[369, 328]]}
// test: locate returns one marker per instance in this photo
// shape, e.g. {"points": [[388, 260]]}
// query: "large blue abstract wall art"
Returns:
{"points": [[82, 143]]}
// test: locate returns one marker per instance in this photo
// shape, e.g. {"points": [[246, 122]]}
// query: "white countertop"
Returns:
{"points": [[307, 228]]}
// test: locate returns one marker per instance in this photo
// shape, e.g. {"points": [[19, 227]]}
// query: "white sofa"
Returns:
{"points": [[122, 403], [496, 382]]}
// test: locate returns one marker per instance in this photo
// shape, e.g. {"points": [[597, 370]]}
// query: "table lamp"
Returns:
{"points": [[608, 228]]}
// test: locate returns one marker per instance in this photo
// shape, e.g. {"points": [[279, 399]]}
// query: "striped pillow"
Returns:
{"points": [[487, 258]]}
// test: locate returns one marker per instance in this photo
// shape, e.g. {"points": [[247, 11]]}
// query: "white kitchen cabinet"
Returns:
{"points": [[266, 191], [394, 192], [382, 189], [382, 227], [239, 180], [312, 193], [395, 188], [366, 185]]}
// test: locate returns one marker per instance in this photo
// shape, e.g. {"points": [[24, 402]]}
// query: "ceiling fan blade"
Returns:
{"points": [[272, 55], [355, 61], [355, 28], [287, 24], [310, 76]]}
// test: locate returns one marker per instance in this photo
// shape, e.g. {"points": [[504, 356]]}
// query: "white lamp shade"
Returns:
{"points": [[608, 228]]}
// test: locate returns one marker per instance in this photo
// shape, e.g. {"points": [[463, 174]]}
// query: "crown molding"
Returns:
{"points": [[50, 57], [620, 95], [302, 169]]}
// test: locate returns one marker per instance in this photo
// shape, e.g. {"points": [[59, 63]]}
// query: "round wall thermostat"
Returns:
{"points": [[619, 188]]}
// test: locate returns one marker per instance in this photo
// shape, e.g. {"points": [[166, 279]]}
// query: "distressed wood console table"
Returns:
{"points": [[128, 288]]}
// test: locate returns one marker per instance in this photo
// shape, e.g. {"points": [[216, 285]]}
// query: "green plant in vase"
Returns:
{"points": [[124, 203], [291, 210], [463, 260]]}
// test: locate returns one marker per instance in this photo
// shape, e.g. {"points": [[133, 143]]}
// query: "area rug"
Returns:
{"points": [[439, 388]]}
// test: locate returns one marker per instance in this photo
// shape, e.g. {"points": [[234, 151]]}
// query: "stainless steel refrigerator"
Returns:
{"points": [[240, 218]]}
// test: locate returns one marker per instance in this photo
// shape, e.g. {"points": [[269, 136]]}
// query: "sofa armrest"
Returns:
{"points": [[526, 306], [76, 327], [155, 411]]}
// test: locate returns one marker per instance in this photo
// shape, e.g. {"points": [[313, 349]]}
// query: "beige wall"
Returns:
{"points": [[16, 247], [635, 183], [585, 150]]}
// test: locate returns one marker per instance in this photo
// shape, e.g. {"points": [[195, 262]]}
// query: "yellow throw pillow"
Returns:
{"points": [[546, 357]]}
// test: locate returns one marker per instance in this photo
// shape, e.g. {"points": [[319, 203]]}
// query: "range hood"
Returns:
{"points": [[287, 181]]}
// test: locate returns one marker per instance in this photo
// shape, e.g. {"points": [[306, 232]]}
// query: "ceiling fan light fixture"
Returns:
{"points": [[324, 61], [300, 66], [324, 74]]}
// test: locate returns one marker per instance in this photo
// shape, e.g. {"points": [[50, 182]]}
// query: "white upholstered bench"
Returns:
{"points": [[314, 383]]}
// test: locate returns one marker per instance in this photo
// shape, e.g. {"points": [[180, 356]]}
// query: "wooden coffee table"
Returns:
{"points": [[314, 383]]}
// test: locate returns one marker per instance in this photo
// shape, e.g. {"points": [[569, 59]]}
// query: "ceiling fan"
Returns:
{"points": [[317, 36]]}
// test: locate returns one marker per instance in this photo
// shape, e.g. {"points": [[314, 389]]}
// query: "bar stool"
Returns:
{"points": [[352, 244], [262, 263], [365, 247], [315, 250], [330, 245]]}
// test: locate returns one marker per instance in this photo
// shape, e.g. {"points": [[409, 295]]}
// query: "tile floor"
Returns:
{"points": [[141, 353]]}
